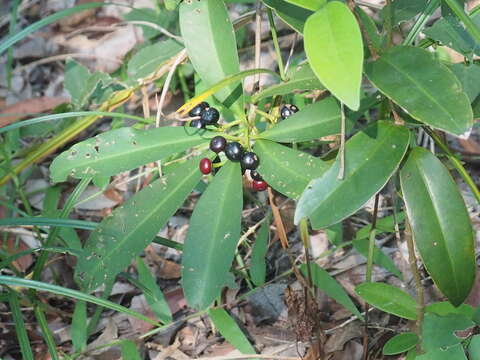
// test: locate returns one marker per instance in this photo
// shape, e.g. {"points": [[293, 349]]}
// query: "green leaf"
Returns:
{"points": [[325, 282], [474, 347], [403, 10], [376, 41], [312, 122], [469, 76], [20, 329], [439, 331], [211, 46], [451, 353], [303, 78], [450, 32], [400, 343], [129, 350], [75, 294], [440, 224], [286, 170], [385, 224], [412, 77], [334, 48], [150, 58], [212, 237], [123, 149], [379, 257], [313, 5], [443, 308], [78, 330], [130, 228], [371, 157], [388, 298], [292, 15], [230, 330], [154, 297], [258, 266], [335, 233]]}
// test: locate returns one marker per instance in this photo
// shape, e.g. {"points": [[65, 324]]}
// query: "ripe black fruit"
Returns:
{"points": [[197, 124], [250, 160], [293, 108], [209, 116], [216, 161], [234, 151], [197, 110], [217, 144], [255, 175], [285, 112]]}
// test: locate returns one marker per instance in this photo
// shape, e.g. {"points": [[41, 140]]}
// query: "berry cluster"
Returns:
{"points": [[235, 152], [208, 115], [287, 111]]}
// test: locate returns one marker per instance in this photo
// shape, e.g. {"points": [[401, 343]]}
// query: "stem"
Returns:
{"points": [[341, 172], [421, 21], [273, 30], [306, 243], [412, 260], [467, 21], [456, 164], [81, 186]]}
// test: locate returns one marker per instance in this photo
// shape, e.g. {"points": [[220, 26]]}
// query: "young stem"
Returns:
{"points": [[421, 21], [412, 260], [456, 163], [273, 30], [341, 172]]}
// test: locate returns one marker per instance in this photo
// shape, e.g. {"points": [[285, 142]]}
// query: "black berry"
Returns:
{"points": [[293, 108], [234, 151], [197, 110], [209, 116], [285, 112], [196, 124], [217, 144], [255, 175], [250, 160]]}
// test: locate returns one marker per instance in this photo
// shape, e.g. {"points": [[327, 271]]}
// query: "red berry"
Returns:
{"points": [[259, 185], [205, 166]]}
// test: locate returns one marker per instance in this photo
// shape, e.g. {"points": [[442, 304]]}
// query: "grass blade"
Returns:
{"points": [[74, 294], [20, 328], [47, 334]]}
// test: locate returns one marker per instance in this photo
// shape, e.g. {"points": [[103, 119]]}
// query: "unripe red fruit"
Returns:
{"points": [[259, 185], [205, 166]]}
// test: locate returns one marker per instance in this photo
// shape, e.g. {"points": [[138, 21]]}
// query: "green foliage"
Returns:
{"points": [[400, 343]]}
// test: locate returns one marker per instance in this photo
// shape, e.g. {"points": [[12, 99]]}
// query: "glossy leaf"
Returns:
{"points": [[303, 78], [469, 76], [440, 224], [388, 298], [150, 58], [440, 331], [154, 297], [124, 149], [212, 238], [325, 282], [444, 308], [292, 15], [334, 48], [287, 170], [308, 4], [379, 257], [403, 10], [412, 77], [130, 228], [211, 46], [229, 329], [312, 122], [371, 157], [258, 265], [400, 343], [474, 347], [449, 353]]}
